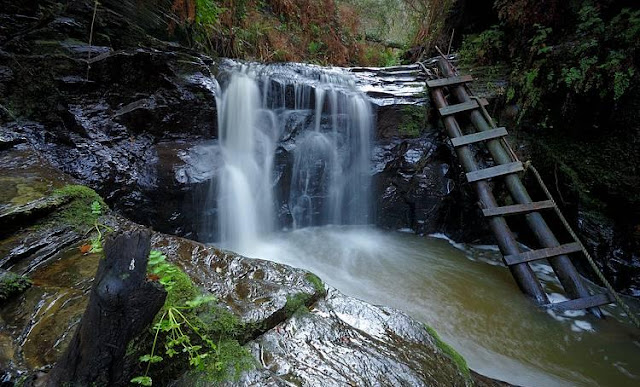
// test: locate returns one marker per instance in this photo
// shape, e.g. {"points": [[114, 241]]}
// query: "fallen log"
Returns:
{"points": [[121, 304]]}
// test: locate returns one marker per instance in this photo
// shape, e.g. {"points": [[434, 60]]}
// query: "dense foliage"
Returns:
{"points": [[364, 32], [573, 90], [575, 54], [277, 30]]}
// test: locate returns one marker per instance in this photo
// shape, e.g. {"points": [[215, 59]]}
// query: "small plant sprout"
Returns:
{"points": [[96, 243]]}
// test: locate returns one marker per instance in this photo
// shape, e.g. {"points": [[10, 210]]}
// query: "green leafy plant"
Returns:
{"points": [[82, 212], [176, 323], [539, 43], [78, 212], [315, 47], [486, 47], [96, 243], [182, 331]]}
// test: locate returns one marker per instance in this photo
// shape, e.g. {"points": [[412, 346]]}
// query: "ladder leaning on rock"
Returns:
{"points": [[452, 99]]}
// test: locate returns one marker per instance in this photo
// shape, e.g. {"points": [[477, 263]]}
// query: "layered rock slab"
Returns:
{"points": [[344, 341]]}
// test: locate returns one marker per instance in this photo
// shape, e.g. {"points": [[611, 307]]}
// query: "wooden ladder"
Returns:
{"points": [[507, 167]]}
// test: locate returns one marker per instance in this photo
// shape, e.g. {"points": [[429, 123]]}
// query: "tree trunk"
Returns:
{"points": [[121, 304]]}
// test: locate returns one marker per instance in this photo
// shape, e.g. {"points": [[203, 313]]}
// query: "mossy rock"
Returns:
{"points": [[78, 212], [317, 283], [295, 302], [413, 121], [299, 302], [226, 360], [70, 205], [460, 362], [11, 284]]}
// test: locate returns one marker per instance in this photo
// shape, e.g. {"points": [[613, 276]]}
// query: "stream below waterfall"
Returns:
{"points": [[470, 298], [294, 153]]}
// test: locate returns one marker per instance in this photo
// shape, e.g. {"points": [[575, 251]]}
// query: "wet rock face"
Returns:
{"points": [[419, 186], [133, 122], [616, 249], [101, 122], [297, 330], [256, 291], [344, 341], [329, 336], [26, 187]]}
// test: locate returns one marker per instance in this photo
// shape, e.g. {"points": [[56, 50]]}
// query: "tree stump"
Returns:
{"points": [[121, 304]]}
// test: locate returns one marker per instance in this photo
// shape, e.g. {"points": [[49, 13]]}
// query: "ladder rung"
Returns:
{"points": [[449, 81], [535, 255], [583, 303], [462, 107], [479, 136], [498, 170], [518, 209]]}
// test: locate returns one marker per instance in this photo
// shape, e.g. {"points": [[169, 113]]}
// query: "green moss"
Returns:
{"points": [[316, 282], [413, 121], [77, 212], [295, 302], [183, 289], [225, 358], [301, 311], [11, 284], [232, 360], [450, 352], [220, 322]]}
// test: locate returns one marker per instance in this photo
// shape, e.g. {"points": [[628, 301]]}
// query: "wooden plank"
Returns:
{"points": [[478, 136], [462, 107], [498, 170], [449, 81], [535, 255], [458, 108], [518, 209], [583, 303]]}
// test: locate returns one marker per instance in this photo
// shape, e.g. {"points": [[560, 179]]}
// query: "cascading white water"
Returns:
{"points": [[327, 126], [245, 199], [331, 173]]}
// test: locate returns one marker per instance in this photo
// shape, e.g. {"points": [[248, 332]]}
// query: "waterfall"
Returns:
{"points": [[245, 199], [318, 124]]}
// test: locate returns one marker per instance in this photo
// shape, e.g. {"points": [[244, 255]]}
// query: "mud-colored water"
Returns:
{"points": [[471, 300]]}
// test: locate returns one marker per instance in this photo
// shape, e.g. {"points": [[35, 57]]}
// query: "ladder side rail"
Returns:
{"points": [[562, 265]]}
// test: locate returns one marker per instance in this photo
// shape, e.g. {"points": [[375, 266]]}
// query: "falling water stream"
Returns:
{"points": [[329, 126], [311, 214]]}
